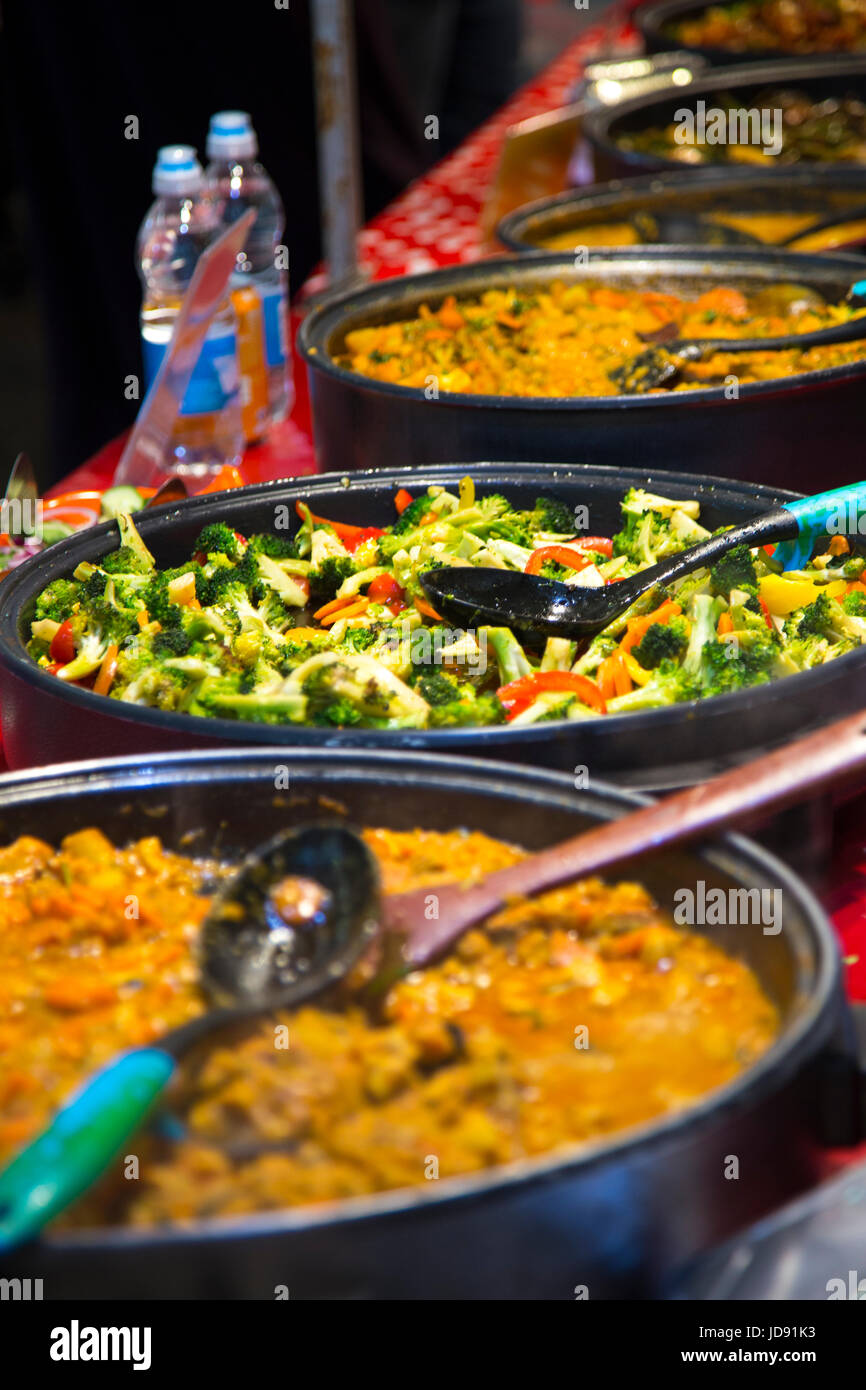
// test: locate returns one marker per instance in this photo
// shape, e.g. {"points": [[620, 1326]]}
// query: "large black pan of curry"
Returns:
{"points": [[786, 431], [793, 113], [46, 720], [609, 1216]]}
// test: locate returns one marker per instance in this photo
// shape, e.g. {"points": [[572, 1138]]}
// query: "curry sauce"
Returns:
{"points": [[564, 1020]]}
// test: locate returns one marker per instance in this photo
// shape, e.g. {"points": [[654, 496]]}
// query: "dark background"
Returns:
{"points": [[75, 190]]}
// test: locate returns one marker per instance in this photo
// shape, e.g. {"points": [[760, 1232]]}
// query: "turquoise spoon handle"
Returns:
{"points": [[81, 1140], [828, 513]]}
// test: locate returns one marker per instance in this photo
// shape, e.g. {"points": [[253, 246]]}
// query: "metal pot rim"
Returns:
{"points": [[731, 853]]}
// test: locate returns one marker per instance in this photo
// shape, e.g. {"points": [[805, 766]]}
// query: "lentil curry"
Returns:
{"points": [[479, 1060]]}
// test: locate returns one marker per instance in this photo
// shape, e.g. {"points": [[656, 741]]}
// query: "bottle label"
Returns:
{"points": [[275, 311], [214, 381]]}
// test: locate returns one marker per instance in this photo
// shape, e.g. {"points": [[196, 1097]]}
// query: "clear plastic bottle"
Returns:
{"points": [[208, 432], [236, 181]]}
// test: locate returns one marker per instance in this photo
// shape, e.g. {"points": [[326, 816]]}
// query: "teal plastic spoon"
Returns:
{"points": [[476, 596], [258, 952]]}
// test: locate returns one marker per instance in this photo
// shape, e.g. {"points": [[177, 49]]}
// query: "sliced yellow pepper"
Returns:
{"points": [[783, 596]]}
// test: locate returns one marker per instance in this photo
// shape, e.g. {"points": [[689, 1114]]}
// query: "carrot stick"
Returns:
{"points": [[425, 609], [351, 610]]}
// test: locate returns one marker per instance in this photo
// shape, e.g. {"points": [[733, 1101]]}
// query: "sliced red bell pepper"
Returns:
{"points": [[351, 536], [62, 647], [518, 695], [602, 545], [561, 554], [767, 617]]}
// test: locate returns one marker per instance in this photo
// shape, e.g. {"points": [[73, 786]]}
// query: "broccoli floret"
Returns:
{"points": [[275, 547], [218, 539], [412, 515], [327, 578], [453, 705], [815, 620], [125, 561], [155, 597], [671, 684], [172, 641], [655, 527], [727, 666], [93, 587], [217, 588], [510, 656], [469, 709], [381, 698], [552, 569], [826, 618], [229, 697], [58, 600], [662, 642], [339, 712], [736, 570], [644, 539], [360, 638], [521, 527], [855, 604], [437, 687], [549, 514]]}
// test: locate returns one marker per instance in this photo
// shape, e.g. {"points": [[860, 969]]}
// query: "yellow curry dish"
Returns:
{"points": [[564, 1020], [565, 340]]}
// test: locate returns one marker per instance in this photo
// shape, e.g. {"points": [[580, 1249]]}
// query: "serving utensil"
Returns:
{"points": [[477, 596], [663, 360], [826, 224], [305, 908], [257, 953], [680, 227]]}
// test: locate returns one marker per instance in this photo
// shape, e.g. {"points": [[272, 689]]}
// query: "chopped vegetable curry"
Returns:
{"points": [[567, 340], [563, 1020]]}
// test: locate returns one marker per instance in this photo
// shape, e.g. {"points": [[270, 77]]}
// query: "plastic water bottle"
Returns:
{"points": [[208, 432], [236, 181]]}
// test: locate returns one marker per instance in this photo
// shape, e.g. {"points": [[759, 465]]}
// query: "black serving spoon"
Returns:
{"points": [[663, 360], [836, 219], [477, 596], [293, 920], [679, 227]]}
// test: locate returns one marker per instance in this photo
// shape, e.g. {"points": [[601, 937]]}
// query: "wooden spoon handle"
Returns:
{"points": [[769, 783]]}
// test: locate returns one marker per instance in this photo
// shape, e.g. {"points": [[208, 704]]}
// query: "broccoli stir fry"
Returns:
{"points": [[332, 627]]}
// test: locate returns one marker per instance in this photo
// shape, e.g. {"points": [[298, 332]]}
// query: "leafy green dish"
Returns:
{"points": [[331, 626]]}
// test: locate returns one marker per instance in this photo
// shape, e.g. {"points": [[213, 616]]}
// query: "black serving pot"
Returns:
{"points": [[822, 77], [652, 20], [816, 188], [615, 1217], [46, 721], [795, 432]]}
